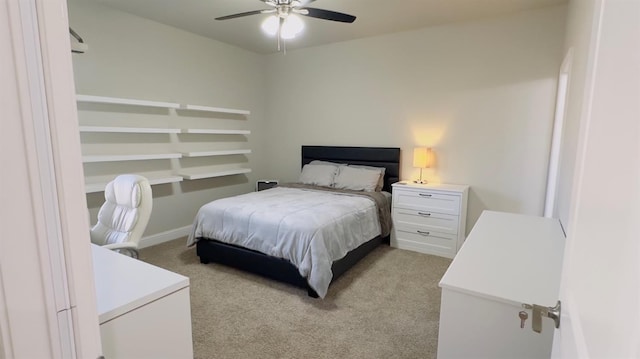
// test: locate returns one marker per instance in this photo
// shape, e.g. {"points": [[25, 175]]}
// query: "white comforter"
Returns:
{"points": [[309, 228]]}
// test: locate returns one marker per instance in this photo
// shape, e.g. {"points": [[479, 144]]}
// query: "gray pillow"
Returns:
{"points": [[357, 179], [382, 170], [318, 175]]}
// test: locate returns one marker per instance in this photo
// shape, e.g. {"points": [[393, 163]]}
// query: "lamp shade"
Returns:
{"points": [[422, 157]]}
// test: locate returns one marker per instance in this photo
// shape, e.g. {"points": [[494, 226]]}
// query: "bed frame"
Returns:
{"points": [[211, 250]]}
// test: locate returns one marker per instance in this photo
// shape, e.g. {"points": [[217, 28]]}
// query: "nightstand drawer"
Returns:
{"points": [[428, 200], [438, 222], [425, 241]]}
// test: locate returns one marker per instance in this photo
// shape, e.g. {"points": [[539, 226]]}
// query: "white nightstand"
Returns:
{"points": [[429, 218], [266, 184]]}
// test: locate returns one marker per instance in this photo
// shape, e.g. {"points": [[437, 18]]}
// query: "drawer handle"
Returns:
{"points": [[425, 195], [426, 214], [423, 233]]}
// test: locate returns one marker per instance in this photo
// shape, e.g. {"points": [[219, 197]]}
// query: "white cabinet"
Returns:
{"points": [[429, 218], [144, 311], [115, 131], [507, 260]]}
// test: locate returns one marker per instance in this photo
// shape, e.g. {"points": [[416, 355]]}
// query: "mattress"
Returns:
{"points": [[310, 227]]}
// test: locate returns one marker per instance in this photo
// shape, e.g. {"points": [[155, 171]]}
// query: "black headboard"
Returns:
{"points": [[387, 157]]}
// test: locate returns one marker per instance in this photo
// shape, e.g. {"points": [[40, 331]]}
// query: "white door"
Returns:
{"points": [[600, 290]]}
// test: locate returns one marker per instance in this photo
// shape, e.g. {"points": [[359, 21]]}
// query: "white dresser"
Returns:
{"points": [[507, 260], [429, 218], [144, 311]]}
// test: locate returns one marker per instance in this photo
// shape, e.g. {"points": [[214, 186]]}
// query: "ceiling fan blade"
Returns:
{"points": [[255, 12], [328, 15]]}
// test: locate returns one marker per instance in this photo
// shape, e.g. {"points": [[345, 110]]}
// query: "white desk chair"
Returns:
{"points": [[124, 216]]}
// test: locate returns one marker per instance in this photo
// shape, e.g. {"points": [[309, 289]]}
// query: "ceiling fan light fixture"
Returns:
{"points": [[270, 25], [291, 27], [285, 22]]}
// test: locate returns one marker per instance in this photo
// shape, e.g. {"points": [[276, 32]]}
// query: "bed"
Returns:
{"points": [[268, 256]]}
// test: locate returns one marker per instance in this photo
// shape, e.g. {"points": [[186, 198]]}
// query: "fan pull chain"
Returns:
{"points": [[279, 35]]}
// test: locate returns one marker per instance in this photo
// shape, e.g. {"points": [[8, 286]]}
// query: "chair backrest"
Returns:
{"points": [[126, 211]]}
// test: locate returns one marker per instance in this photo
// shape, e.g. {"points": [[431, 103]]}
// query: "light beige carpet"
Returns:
{"points": [[387, 306]]}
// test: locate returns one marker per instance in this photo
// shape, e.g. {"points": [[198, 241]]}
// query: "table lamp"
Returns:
{"points": [[422, 158]]}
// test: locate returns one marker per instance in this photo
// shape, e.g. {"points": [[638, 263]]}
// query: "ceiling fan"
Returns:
{"points": [[284, 22]]}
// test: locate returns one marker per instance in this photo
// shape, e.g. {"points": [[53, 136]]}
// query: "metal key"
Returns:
{"points": [[523, 318]]}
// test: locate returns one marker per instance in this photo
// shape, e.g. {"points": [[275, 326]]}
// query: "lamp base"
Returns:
{"points": [[420, 181]]}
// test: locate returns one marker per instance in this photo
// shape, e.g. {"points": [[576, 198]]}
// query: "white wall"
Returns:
{"points": [[480, 93], [133, 57]]}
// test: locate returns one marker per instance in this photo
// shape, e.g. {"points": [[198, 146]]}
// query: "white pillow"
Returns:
{"points": [[318, 175], [382, 170], [357, 179]]}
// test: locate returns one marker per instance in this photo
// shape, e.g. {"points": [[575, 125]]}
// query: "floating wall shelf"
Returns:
{"points": [[125, 101], [215, 153], [193, 175], [215, 132], [214, 109], [100, 186], [113, 158], [98, 183], [104, 129]]}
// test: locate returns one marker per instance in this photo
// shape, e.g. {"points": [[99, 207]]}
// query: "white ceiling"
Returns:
{"points": [[374, 17]]}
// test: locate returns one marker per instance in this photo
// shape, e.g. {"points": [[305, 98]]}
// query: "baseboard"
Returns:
{"points": [[166, 236]]}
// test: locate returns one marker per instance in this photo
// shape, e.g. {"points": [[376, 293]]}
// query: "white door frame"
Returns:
{"points": [[564, 79], [46, 275]]}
